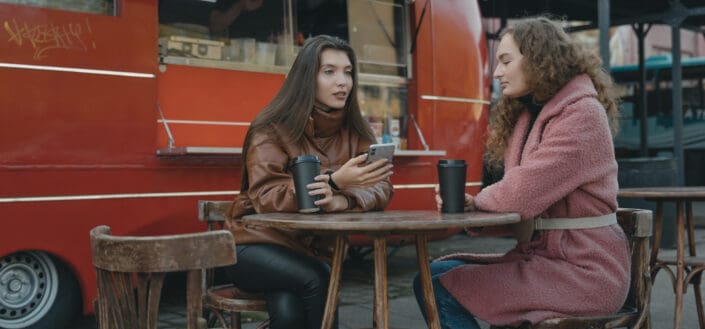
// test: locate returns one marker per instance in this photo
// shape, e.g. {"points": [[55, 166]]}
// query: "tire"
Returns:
{"points": [[37, 292]]}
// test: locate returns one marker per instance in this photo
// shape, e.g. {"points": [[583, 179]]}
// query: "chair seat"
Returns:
{"points": [[229, 298], [615, 321], [626, 316]]}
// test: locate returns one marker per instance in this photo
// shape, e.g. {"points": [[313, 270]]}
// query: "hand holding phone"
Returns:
{"points": [[360, 172], [380, 151]]}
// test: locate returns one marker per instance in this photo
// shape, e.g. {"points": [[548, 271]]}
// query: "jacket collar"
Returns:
{"points": [[324, 121]]}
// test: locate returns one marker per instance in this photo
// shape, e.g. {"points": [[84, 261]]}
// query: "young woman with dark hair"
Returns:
{"points": [[315, 112]]}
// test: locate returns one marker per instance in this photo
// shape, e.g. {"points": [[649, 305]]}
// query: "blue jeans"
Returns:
{"points": [[452, 315]]}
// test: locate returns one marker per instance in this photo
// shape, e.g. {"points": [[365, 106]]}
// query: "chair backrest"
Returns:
{"points": [[638, 226], [131, 271], [213, 212]]}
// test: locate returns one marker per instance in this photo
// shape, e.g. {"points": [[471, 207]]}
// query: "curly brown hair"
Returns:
{"points": [[551, 60]]}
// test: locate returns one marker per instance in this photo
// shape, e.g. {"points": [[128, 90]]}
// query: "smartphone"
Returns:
{"points": [[379, 151]]}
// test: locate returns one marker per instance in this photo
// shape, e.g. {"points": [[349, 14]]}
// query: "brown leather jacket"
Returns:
{"points": [[271, 184]]}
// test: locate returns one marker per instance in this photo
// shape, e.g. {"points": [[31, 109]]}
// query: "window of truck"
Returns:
{"points": [[266, 39], [103, 7]]}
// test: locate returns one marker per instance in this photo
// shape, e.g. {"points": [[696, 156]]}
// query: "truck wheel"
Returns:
{"points": [[36, 292]]}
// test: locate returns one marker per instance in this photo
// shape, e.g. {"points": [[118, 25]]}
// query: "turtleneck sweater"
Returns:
{"points": [[327, 121], [533, 108]]}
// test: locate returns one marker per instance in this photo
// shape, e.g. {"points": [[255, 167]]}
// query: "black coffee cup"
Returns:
{"points": [[305, 168], [451, 177]]}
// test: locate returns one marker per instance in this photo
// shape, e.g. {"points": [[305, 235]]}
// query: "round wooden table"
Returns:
{"points": [[379, 225], [692, 265]]}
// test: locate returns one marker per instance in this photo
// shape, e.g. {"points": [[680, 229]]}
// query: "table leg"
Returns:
{"points": [[334, 283], [426, 285], [680, 264], [381, 305]]}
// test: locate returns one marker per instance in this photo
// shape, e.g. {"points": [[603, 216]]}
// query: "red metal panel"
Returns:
{"points": [[39, 36], [75, 118], [60, 131], [451, 61], [204, 94]]}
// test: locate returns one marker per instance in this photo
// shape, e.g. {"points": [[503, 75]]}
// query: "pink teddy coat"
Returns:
{"points": [[567, 170]]}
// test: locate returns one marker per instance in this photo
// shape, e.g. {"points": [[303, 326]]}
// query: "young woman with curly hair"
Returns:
{"points": [[552, 136]]}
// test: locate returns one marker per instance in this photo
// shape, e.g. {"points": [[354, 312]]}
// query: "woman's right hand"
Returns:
{"points": [[355, 173]]}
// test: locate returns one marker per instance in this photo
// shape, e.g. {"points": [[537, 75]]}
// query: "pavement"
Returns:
{"points": [[356, 297]]}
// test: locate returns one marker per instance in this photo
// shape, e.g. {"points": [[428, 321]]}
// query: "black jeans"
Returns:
{"points": [[295, 285]]}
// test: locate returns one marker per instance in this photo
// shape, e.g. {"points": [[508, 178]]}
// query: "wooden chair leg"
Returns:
{"points": [[264, 325], [216, 317], [235, 320], [699, 300]]}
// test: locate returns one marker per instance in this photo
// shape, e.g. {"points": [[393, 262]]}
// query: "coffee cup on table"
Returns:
{"points": [[304, 169], [451, 178]]}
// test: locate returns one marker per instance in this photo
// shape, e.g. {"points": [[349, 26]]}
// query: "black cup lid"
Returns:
{"points": [[305, 158], [451, 162]]}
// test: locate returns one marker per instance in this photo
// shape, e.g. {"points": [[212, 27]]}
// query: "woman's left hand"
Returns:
{"points": [[469, 200], [469, 203], [329, 202]]}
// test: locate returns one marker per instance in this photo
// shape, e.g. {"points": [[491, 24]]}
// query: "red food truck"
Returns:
{"points": [[127, 112]]}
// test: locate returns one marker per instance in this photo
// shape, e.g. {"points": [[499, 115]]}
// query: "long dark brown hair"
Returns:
{"points": [[551, 60], [291, 107]]}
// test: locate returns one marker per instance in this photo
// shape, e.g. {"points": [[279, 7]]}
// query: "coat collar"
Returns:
{"points": [[580, 87], [324, 121]]}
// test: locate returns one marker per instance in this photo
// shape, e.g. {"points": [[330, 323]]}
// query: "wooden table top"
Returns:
{"points": [[394, 221], [664, 193]]}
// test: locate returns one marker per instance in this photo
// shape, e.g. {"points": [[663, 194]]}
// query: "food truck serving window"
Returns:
{"points": [[265, 35], [104, 7]]}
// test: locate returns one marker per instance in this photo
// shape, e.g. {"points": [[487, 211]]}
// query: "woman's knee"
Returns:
{"points": [[417, 283], [285, 310], [315, 279], [437, 269]]}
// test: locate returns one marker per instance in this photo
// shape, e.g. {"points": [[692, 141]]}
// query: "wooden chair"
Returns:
{"points": [[227, 299], [131, 271], [637, 224]]}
